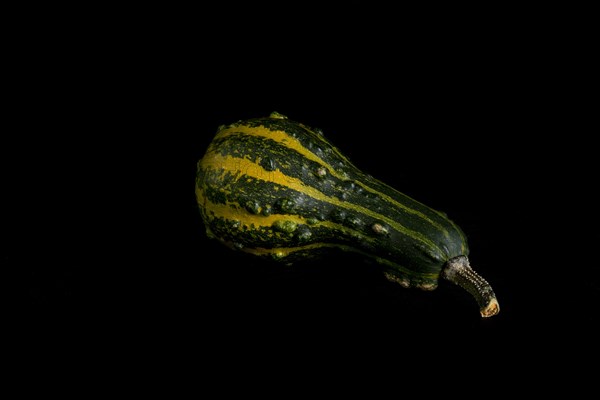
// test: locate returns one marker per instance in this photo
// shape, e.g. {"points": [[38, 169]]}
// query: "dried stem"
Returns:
{"points": [[459, 272]]}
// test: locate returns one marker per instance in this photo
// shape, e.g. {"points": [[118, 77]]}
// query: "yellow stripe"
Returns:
{"points": [[404, 207], [285, 139], [233, 212], [249, 168], [282, 252], [281, 137]]}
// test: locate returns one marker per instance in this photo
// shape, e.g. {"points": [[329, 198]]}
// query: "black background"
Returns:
{"points": [[484, 116]]}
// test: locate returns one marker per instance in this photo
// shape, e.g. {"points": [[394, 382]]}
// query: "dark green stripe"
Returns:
{"points": [[272, 155], [251, 194]]}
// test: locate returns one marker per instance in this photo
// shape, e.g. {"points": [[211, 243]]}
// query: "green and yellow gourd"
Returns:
{"points": [[277, 188]]}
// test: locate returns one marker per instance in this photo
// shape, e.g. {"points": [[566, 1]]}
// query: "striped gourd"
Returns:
{"points": [[277, 188]]}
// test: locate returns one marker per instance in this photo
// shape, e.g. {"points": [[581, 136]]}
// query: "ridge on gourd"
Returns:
{"points": [[277, 188]]}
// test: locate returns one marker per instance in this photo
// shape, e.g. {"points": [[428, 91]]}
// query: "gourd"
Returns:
{"points": [[276, 188]]}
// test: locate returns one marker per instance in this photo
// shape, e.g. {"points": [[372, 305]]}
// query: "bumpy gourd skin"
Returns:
{"points": [[274, 187]]}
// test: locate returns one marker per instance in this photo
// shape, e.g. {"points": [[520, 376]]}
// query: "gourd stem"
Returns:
{"points": [[459, 272]]}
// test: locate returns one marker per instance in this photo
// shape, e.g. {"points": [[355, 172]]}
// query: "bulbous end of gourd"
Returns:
{"points": [[459, 272]]}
